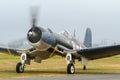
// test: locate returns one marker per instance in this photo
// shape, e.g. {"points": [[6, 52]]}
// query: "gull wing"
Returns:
{"points": [[9, 51], [99, 52]]}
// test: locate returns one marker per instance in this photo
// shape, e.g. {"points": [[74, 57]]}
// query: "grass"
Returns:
{"points": [[56, 66]]}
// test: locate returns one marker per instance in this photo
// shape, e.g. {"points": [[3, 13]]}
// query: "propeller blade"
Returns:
{"points": [[34, 14]]}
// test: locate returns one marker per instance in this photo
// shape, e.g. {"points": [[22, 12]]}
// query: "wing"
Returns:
{"points": [[30, 51], [100, 52], [90, 53], [15, 47], [9, 51]]}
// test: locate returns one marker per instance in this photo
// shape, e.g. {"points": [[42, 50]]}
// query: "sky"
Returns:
{"points": [[102, 16]]}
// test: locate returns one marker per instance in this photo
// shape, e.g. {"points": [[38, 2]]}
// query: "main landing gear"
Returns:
{"points": [[21, 65], [70, 64]]}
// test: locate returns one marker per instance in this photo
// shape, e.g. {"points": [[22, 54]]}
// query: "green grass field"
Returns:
{"points": [[56, 66]]}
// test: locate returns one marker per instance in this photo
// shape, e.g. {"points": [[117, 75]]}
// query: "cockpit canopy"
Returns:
{"points": [[66, 34]]}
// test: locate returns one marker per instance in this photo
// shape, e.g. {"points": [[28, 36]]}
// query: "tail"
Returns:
{"points": [[88, 38]]}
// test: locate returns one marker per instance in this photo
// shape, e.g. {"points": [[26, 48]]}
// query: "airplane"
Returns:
{"points": [[46, 44]]}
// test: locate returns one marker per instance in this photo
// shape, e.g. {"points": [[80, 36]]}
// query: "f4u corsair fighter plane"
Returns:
{"points": [[46, 43]]}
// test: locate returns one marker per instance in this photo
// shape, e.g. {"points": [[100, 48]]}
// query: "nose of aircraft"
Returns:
{"points": [[34, 35]]}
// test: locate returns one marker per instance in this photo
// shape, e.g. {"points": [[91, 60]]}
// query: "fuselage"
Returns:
{"points": [[44, 39]]}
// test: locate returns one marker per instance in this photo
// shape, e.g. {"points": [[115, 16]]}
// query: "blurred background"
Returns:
{"points": [[102, 16]]}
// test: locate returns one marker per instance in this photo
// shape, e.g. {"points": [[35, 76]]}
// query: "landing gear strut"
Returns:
{"points": [[70, 62]]}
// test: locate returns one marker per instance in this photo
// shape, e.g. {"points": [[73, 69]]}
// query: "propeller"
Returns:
{"points": [[34, 34], [34, 15]]}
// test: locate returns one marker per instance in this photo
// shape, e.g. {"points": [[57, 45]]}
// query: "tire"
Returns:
{"points": [[84, 67], [70, 69], [19, 68]]}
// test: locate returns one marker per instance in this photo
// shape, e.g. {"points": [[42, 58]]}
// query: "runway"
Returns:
{"points": [[75, 77]]}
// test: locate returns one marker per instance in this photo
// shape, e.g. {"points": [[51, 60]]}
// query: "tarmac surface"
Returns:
{"points": [[75, 77]]}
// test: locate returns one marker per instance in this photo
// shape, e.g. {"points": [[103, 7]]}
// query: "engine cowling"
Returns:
{"points": [[40, 38]]}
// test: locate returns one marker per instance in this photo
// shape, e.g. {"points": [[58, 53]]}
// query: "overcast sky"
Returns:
{"points": [[102, 16]]}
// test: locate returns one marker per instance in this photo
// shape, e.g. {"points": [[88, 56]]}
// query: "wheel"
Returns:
{"points": [[70, 69], [19, 68], [84, 67]]}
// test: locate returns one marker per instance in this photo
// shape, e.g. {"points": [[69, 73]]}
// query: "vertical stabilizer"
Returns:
{"points": [[88, 38]]}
